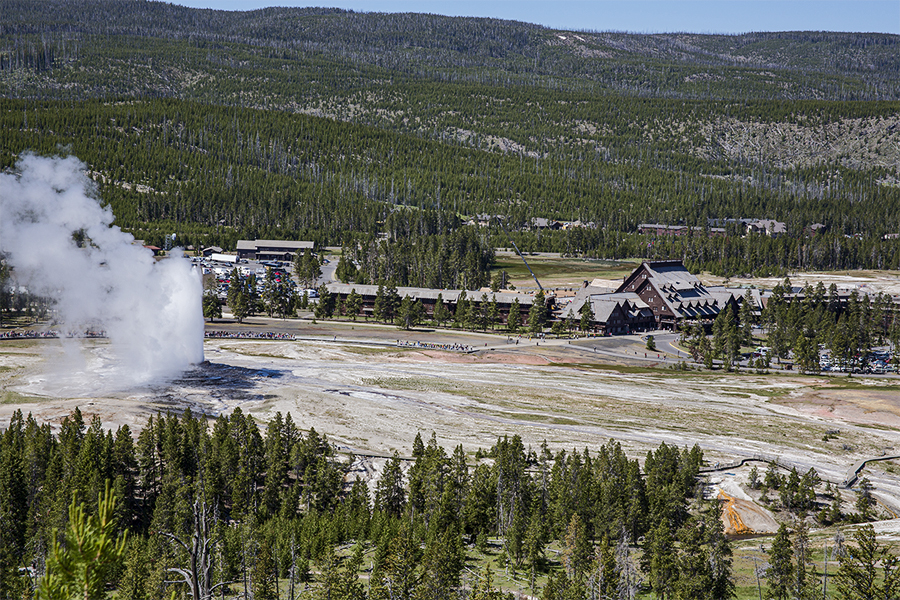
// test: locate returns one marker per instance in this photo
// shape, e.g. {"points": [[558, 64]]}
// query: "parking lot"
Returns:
{"points": [[222, 271]]}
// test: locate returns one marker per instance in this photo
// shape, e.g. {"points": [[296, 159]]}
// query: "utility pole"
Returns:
{"points": [[520, 254]]}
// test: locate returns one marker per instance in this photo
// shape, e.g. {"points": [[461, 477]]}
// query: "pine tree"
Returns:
{"points": [[411, 313], [780, 573], [270, 292], [604, 580], [462, 310], [263, 576], [441, 313], [406, 312], [587, 316], [858, 576], [534, 546], [391, 302], [307, 268], [834, 510], [805, 584], [746, 318], [537, 315], [326, 304], [663, 568], [379, 311], [238, 298], [81, 568], [720, 555], [212, 309], [13, 505], [493, 312], [577, 548], [720, 332], [694, 567], [390, 496], [514, 319], [401, 568], [484, 589], [277, 295], [345, 270], [864, 499], [442, 562], [354, 304]]}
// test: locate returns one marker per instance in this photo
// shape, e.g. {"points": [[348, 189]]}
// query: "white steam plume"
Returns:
{"points": [[150, 310]]}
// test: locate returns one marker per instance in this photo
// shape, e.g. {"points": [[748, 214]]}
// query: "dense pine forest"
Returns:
{"points": [[349, 128], [222, 508]]}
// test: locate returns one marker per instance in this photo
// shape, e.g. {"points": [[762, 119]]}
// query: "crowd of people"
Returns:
{"points": [[31, 334], [250, 335], [271, 335], [433, 346], [240, 335]]}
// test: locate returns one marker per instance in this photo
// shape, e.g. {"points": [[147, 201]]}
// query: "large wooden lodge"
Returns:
{"points": [[656, 295]]}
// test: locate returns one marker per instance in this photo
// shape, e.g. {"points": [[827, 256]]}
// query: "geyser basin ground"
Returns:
{"points": [[377, 399]]}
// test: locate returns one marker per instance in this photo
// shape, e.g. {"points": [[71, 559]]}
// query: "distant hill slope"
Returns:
{"points": [[497, 85], [789, 65], [331, 125]]}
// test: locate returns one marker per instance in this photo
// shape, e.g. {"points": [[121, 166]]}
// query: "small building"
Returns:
{"points": [[679, 230], [816, 229], [666, 230], [282, 250], [768, 227], [207, 252], [542, 223]]}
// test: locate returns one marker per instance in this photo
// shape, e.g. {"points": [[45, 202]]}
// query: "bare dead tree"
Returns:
{"points": [[199, 575]]}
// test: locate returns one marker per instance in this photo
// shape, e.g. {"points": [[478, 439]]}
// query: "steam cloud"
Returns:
{"points": [[150, 310]]}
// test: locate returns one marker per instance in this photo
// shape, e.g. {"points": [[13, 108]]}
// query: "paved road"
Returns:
{"points": [[328, 270]]}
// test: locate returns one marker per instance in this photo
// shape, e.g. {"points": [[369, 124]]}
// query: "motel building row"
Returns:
{"points": [[429, 298], [657, 295]]}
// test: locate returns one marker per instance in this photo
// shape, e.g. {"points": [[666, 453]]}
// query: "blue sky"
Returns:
{"points": [[646, 16]]}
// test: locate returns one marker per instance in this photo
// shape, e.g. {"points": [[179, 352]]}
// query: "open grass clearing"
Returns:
{"points": [[9, 397], [554, 271]]}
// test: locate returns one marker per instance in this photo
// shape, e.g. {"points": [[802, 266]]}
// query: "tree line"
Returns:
{"points": [[195, 506], [848, 328]]}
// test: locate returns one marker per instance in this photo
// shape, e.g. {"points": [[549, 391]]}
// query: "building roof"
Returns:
{"points": [[671, 275], [503, 297], [285, 244], [769, 226], [683, 294], [661, 226], [542, 222], [603, 305]]}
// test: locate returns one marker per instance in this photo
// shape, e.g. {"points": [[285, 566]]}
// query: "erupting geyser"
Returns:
{"points": [[61, 244]]}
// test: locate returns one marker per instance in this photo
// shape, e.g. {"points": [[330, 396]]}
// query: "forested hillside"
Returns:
{"points": [[334, 126], [216, 507]]}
